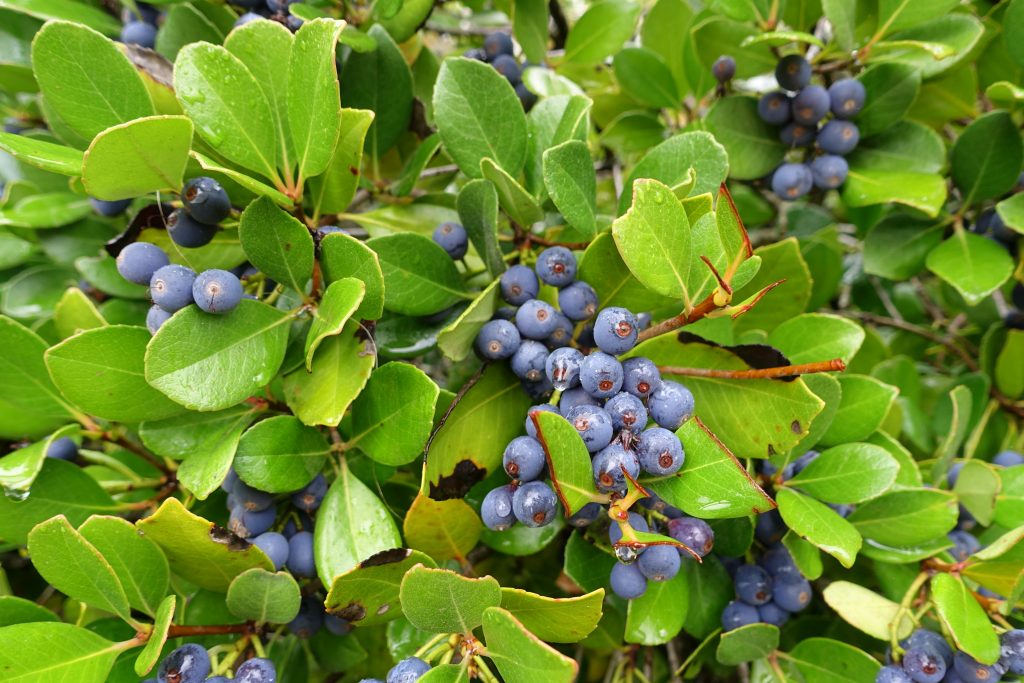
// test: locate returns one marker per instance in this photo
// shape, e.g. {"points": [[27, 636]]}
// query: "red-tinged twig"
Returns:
{"points": [[834, 365], [722, 284], [180, 631], [760, 295], [666, 326]]}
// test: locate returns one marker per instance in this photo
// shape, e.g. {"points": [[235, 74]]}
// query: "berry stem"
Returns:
{"points": [[180, 631], [834, 365]]}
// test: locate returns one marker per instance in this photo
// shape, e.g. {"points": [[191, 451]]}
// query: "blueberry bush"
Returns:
{"points": [[511, 340]]}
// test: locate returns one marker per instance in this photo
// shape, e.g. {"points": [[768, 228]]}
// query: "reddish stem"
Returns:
{"points": [[666, 326], [834, 365]]}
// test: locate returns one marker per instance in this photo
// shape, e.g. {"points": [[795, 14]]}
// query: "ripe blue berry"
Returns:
{"points": [[109, 209], [452, 238], [1011, 647], [636, 521], [839, 137], [300, 555], [529, 360], [615, 330], [497, 43], [309, 497], [186, 231], [608, 467], [601, 375], [627, 412], [771, 613], [660, 452], [846, 97], [496, 509], [562, 334], [250, 498], [774, 108], [556, 266], [769, 527], [205, 200], [248, 523], [659, 562], [217, 291], [777, 560], [810, 105], [803, 461], [540, 390], [627, 581], [670, 405], [829, 171], [695, 534], [791, 591], [518, 285], [578, 301], [190, 663], [139, 260], [585, 515], [508, 67], [256, 670], [524, 458], [797, 135], [1008, 459], [964, 545], [536, 319], [543, 408], [563, 367], [138, 33], [575, 397], [594, 425], [922, 638], [640, 376], [171, 287], [793, 72], [62, 449], [792, 181], [337, 625], [408, 670], [737, 614], [309, 619], [753, 584], [534, 504], [892, 674], [274, 546], [526, 96], [924, 665], [724, 68], [246, 18], [498, 339], [155, 317]]}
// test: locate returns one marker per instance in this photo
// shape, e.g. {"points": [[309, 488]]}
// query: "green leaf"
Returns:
{"points": [[530, 27], [477, 204], [19, 468], [228, 107], [936, 46], [417, 162], [866, 610], [45, 155], [806, 556], [848, 473], [443, 529], [572, 185], [136, 561], [343, 256], [895, 14], [670, 163], [554, 620], [255, 186], [780, 38], [747, 643], [15, 610], [712, 483], [353, 524], [602, 266], [964, 618], [972, 264], [277, 243], [891, 89], [906, 518], [419, 277], [46, 210], [280, 454], [1008, 379], [779, 261], [822, 660], [648, 622], [587, 565], [333, 191], [101, 273], [478, 115], [896, 248], [601, 31], [457, 338], [753, 146], [987, 157], [338, 304], [817, 337], [68, 10], [394, 415], [313, 109], [520, 206], [192, 22], [101, 372], [554, 120], [520, 656], [712, 36], [211, 362], [864, 404], [76, 312], [264, 597], [1011, 210], [368, 593], [139, 157], [960, 408], [905, 146], [569, 463], [198, 550], [820, 525], [441, 601], [43, 651], [74, 567], [86, 80], [643, 75], [925, 192], [150, 654]]}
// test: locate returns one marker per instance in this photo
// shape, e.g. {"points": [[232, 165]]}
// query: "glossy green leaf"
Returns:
{"points": [[648, 622], [906, 518], [519, 655], [441, 601], [368, 593], [47, 210], [150, 654], [419, 276], [896, 248], [779, 261], [19, 468], [339, 302], [313, 109], [1011, 210], [530, 27], [925, 192], [394, 415], [986, 158], [136, 158], [43, 651], [76, 312], [344, 256], [554, 620], [865, 609], [848, 473], [277, 243], [865, 403], [1008, 379], [15, 610], [457, 338], [891, 89], [333, 191], [136, 561], [975, 266], [515, 201], [280, 454], [572, 185], [747, 643], [477, 203], [262, 596], [45, 155], [643, 75], [820, 525], [753, 146], [443, 529], [670, 163], [817, 337], [822, 660], [568, 461], [964, 618], [601, 31], [602, 266]]}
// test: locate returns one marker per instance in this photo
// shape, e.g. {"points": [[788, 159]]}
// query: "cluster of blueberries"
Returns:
{"points": [[799, 108], [767, 592], [928, 658], [190, 663], [173, 286], [499, 52], [274, 10], [139, 28], [408, 670]]}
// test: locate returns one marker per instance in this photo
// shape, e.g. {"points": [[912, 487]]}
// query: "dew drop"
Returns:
{"points": [[17, 495]]}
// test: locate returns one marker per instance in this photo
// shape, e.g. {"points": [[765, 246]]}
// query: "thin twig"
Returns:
{"points": [[925, 332], [666, 326], [834, 365]]}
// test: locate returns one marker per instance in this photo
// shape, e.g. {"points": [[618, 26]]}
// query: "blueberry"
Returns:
{"points": [[524, 458], [585, 515], [1008, 459], [562, 334], [670, 405], [922, 638], [608, 467], [309, 619], [839, 137], [575, 397], [309, 497], [190, 663], [660, 452], [518, 285], [774, 108], [508, 67], [695, 534], [556, 266], [753, 585], [526, 96], [846, 97], [777, 560], [615, 330], [627, 581], [529, 360], [636, 521], [770, 613], [737, 614], [171, 287], [109, 209], [793, 72], [247, 523], [452, 238], [797, 135], [769, 527], [186, 231], [274, 546], [543, 408], [155, 318], [803, 461], [578, 301], [964, 545], [256, 670], [971, 670], [585, 339], [810, 105], [792, 181], [476, 53], [139, 33], [230, 479], [627, 412], [791, 591], [659, 562], [892, 674], [337, 625], [62, 449], [250, 498], [540, 390], [640, 376], [300, 555], [246, 18], [294, 525], [408, 670], [594, 425], [536, 319], [601, 375], [498, 339], [139, 260], [924, 666], [534, 504], [217, 291], [724, 68], [205, 200], [497, 43], [322, 232], [496, 509], [1011, 646], [563, 367], [829, 171]]}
